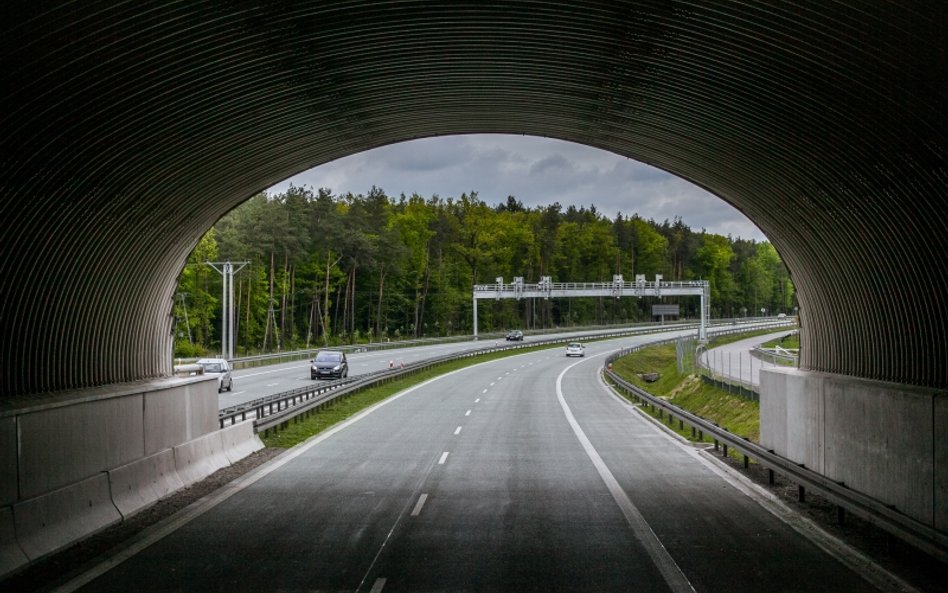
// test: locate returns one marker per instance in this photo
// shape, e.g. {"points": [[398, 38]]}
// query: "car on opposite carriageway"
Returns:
{"points": [[515, 335], [220, 368], [329, 364]]}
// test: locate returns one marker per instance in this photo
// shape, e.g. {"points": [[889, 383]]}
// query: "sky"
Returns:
{"points": [[537, 171]]}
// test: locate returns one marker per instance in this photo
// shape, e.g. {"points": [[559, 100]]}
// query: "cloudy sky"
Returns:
{"points": [[537, 171]]}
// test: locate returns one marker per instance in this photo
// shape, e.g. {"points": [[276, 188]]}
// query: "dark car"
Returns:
{"points": [[515, 336], [329, 364]]}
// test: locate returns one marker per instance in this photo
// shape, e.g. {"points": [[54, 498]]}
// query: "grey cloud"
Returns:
{"points": [[538, 171]]}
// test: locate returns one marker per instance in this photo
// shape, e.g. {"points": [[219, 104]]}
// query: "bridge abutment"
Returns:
{"points": [[73, 463], [886, 440]]}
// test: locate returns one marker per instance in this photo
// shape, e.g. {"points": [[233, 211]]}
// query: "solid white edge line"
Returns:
{"points": [[377, 586], [421, 502], [669, 569], [855, 560], [444, 457]]}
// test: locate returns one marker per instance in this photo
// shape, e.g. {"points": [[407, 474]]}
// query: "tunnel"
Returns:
{"points": [[129, 129]]}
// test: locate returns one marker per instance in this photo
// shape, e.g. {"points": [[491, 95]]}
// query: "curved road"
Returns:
{"points": [[736, 362], [521, 474]]}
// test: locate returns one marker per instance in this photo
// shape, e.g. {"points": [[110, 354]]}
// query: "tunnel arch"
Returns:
{"points": [[129, 129]]}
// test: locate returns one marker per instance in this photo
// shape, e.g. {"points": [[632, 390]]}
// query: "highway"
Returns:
{"points": [[253, 383], [521, 474]]}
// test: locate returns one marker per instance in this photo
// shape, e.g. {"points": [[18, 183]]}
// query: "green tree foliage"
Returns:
{"points": [[331, 269]]}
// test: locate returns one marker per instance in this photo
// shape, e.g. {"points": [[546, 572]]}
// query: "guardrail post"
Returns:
{"points": [[724, 449], [840, 515], [715, 444], [801, 493], [746, 462], [770, 476]]}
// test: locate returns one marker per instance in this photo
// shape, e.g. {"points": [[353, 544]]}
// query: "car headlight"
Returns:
{"points": [[337, 367]]}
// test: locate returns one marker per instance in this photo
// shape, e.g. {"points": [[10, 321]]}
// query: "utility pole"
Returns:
{"points": [[227, 271]]}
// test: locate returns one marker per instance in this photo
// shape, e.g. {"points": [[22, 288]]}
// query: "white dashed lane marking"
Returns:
{"points": [[421, 502]]}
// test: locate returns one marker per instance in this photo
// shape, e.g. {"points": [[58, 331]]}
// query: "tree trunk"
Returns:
{"points": [[378, 315], [424, 296], [325, 311]]}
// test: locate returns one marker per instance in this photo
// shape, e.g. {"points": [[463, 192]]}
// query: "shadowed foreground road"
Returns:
{"points": [[517, 475]]}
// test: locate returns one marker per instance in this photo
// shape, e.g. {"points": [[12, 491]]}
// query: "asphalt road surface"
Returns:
{"points": [[522, 474]]}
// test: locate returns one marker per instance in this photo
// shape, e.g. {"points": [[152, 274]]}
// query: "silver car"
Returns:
{"points": [[574, 349], [220, 368]]}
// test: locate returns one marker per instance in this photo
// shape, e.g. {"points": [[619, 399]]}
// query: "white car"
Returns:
{"points": [[220, 368], [574, 349]]}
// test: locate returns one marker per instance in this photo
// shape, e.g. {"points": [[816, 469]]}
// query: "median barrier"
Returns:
{"points": [[11, 555], [199, 458], [46, 523], [143, 482], [240, 440]]}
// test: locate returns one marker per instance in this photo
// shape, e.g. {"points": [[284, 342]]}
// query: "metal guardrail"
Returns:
{"points": [[876, 512], [771, 355]]}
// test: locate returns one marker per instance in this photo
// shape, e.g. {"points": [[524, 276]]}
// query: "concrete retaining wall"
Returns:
{"points": [[74, 463], [886, 440]]}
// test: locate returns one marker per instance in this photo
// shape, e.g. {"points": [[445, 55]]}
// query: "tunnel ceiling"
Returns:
{"points": [[129, 128]]}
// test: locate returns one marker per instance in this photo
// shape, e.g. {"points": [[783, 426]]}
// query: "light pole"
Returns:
{"points": [[227, 271]]}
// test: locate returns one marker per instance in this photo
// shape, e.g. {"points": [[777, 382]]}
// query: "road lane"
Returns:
{"points": [[516, 504]]}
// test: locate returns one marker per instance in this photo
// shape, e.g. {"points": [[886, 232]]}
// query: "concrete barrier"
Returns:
{"points": [[11, 555], [239, 441], [47, 523], [199, 458], [882, 439], [141, 483]]}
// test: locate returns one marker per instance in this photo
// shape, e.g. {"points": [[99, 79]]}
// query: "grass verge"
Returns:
{"points": [[307, 425], [738, 415]]}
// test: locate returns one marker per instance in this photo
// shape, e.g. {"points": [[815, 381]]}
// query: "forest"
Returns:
{"points": [[327, 269]]}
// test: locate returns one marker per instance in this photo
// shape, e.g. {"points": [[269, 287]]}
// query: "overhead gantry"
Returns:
{"points": [[618, 288]]}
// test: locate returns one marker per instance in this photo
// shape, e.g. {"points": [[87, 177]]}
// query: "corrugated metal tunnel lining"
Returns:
{"points": [[129, 129]]}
